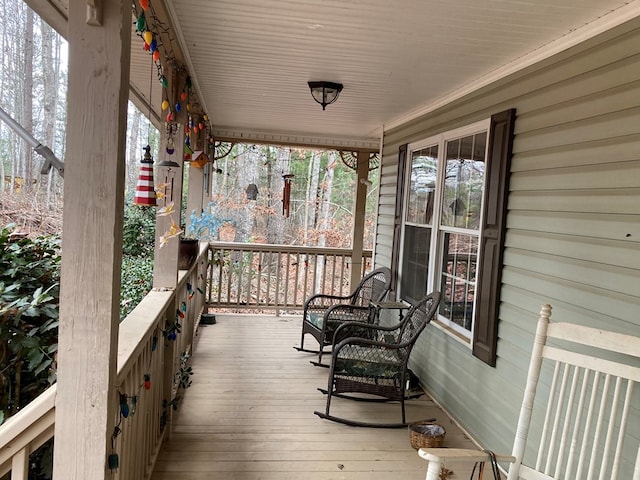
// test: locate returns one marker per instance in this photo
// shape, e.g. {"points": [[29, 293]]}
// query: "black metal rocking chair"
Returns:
{"points": [[324, 313], [372, 359]]}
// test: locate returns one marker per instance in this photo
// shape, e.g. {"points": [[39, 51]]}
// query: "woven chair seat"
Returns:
{"points": [[361, 361]]}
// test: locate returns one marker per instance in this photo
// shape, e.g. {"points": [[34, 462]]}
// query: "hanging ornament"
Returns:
{"points": [[205, 117], [156, 55], [178, 107], [144, 4], [169, 117], [153, 45], [146, 47], [188, 107], [147, 381], [164, 81], [171, 132], [145, 192], [188, 82], [141, 22], [183, 96], [124, 406], [165, 105], [147, 36], [195, 129], [201, 126]]}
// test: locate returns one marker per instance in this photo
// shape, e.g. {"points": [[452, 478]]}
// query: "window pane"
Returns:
{"points": [[415, 263], [458, 278], [424, 174], [464, 179]]}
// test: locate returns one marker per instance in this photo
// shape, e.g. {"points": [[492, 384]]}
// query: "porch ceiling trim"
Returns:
{"points": [[616, 17], [295, 139]]}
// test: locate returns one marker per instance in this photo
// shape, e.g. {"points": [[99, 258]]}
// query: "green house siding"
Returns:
{"points": [[573, 221]]}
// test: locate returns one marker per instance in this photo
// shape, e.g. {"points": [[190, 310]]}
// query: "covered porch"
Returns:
{"points": [[249, 411]]}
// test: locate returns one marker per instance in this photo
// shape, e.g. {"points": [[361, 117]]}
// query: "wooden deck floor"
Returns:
{"points": [[249, 415]]}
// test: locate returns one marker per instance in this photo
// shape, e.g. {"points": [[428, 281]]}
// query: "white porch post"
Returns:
{"points": [[165, 263], [195, 194], [86, 399], [357, 245]]}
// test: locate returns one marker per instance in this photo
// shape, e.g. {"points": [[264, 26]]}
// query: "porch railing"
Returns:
{"points": [[150, 367], [276, 277]]}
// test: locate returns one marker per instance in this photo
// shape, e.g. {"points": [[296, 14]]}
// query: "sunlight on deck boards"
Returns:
{"points": [[249, 415]]}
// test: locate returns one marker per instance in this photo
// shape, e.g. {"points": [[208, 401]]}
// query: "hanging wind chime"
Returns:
{"points": [[286, 194]]}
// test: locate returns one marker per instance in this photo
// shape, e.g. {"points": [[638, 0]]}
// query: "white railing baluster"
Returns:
{"points": [[277, 277], [20, 465]]}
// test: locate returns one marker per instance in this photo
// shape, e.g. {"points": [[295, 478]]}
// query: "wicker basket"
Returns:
{"points": [[426, 435]]}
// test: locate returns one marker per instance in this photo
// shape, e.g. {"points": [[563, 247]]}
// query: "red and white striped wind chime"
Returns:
{"points": [[145, 190]]}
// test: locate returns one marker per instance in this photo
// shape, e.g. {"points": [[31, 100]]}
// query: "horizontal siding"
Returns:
{"points": [[589, 249], [573, 219], [595, 177], [386, 209], [612, 226], [594, 201], [609, 150]]}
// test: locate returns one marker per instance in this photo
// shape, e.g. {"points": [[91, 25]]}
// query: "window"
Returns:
{"points": [[453, 197], [442, 222]]}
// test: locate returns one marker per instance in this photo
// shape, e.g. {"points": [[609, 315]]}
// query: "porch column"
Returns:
{"points": [[195, 194], [165, 263], [357, 245], [86, 400]]}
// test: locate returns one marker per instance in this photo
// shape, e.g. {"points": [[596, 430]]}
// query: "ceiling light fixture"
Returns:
{"points": [[325, 93]]}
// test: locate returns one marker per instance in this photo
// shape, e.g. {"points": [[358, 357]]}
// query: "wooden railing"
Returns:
{"points": [[276, 277], [150, 362]]}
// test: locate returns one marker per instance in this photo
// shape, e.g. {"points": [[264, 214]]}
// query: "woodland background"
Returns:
{"points": [[33, 90]]}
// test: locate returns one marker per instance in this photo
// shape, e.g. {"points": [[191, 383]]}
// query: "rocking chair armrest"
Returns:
{"points": [[352, 312], [324, 300], [437, 456], [362, 327], [365, 342]]}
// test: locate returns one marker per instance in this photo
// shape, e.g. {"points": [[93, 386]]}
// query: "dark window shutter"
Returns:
{"points": [[485, 332], [397, 219]]}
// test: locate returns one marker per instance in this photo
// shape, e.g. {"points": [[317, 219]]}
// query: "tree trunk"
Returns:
{"points": [[311, 203], [50, 84], [324, 213], [27, 99], [132, 164]]}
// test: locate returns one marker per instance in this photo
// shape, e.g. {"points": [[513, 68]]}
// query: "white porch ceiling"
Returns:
{"points": [[250, 60]]}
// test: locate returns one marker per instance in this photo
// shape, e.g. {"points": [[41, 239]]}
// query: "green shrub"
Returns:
{"points": [[138, 231], [137, 280], [29, 297]]}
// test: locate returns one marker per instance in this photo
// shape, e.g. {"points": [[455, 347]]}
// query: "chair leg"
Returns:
{"points": [[301, 347]]}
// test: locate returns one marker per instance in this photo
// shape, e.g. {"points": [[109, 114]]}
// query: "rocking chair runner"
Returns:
{"points": [[324, 313], [580, 417], [372, 359]]}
